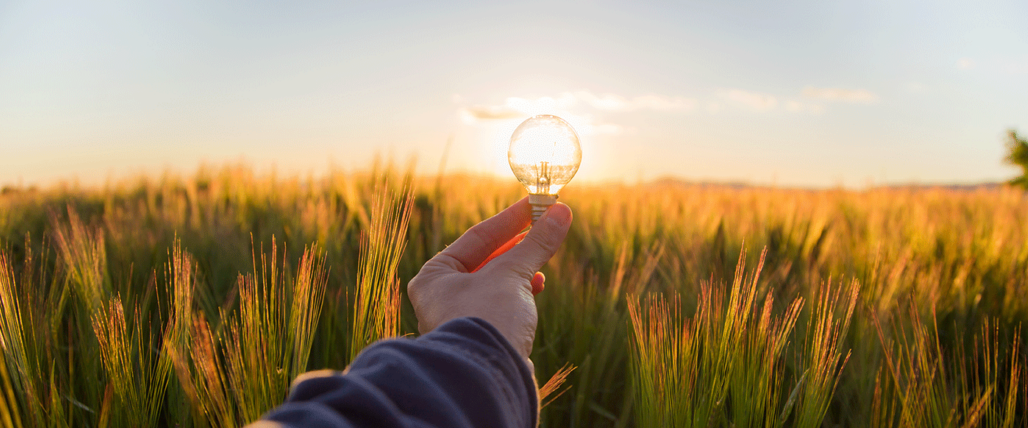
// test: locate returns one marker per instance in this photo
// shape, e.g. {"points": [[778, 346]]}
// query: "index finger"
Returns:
{"points": [[502, 249], [472, 248]]}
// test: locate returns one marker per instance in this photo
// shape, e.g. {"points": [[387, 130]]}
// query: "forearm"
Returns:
{"points": [[463, 374]]}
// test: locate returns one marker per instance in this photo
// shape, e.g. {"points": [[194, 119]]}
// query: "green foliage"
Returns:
{"points": [[376, 312], [136, 377], [922, 386], [822, 354], [267, 342], [233, 376], [725, 366], [1017, 155], [13, 346]]}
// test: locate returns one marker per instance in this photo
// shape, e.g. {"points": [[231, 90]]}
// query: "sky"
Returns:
{"points": [[787, 93]]}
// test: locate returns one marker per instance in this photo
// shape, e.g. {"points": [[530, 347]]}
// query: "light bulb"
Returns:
{"points": [[544, 154]]}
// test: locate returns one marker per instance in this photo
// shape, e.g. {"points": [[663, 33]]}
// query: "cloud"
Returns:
{"points": [[586, 126], [516, 108], [542, 105], [609, 102], [754, 100], [475, 113], [570, 106], [838, 94], [513, 109], [802, 107], [965, 63]]}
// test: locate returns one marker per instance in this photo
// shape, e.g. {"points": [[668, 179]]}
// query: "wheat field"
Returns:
{"points": [[129, 304]]}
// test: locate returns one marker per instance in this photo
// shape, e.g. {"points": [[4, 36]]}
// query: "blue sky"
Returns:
{"points": [[807, 93]]}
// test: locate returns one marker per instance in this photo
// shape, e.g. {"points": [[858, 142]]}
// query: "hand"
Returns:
{"points": [[487, 273]]}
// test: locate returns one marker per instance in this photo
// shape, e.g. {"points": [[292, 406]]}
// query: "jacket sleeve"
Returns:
{"points": [[463, 374]]}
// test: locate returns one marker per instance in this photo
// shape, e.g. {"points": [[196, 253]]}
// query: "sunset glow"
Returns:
{"points": [[808, 94], [544, 154]]}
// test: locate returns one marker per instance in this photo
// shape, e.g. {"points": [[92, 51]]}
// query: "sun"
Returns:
{"points": [[487, 131]]}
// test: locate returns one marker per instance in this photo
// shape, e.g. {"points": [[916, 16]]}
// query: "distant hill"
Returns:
{"points": [[965, 187], [671, 181]]}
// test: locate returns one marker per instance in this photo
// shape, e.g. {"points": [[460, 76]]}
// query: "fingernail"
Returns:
{"points": [[558, 215]]}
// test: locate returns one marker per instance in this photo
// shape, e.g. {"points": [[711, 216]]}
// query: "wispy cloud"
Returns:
{"points": [[753, 100], [839, 94], [474, 113], [586, 126], [802, 107], [514, 109], [574, 107], [610, 102], [517, 107], [583, 106], [541, 105]]}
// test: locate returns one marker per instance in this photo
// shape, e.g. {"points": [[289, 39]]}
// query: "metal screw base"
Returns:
{"points": [[540, 203]]}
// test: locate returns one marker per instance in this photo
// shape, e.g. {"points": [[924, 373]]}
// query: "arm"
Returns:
{"points": [[463, 374], [470, 368]]}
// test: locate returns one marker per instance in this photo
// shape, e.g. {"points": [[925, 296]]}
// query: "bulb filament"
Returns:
{"points": [[542, 183]]}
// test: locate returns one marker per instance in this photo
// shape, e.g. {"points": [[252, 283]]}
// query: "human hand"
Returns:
{"points": [[487, 273]]}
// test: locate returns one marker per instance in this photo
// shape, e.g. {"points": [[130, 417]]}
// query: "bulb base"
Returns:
{"points": [[540, 203]]}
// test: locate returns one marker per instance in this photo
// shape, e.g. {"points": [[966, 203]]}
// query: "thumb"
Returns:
{"points": [[539, 245]]}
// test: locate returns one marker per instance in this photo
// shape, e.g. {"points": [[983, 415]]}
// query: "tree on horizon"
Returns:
{"points": [[1017, 155]]}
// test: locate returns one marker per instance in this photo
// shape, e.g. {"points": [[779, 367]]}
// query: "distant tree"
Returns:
{"points": [[1017, 155]]}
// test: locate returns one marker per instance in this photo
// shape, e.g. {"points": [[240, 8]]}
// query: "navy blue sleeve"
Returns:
{"points": [[463, 374]]}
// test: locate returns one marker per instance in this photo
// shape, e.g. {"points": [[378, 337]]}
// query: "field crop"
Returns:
{"points": [[193, 301]]}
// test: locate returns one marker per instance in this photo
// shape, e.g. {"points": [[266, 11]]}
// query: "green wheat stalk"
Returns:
{"points": [[234, 376], [823, 357], [376, 307], [12, 348]]}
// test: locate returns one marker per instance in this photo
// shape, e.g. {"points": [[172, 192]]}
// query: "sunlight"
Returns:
{"points": [[491, 128]]}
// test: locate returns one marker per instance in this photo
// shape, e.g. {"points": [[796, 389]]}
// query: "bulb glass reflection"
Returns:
{"points": [[544, 154]]}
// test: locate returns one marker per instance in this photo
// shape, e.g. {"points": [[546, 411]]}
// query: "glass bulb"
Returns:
{"points": [[544, 154]]}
